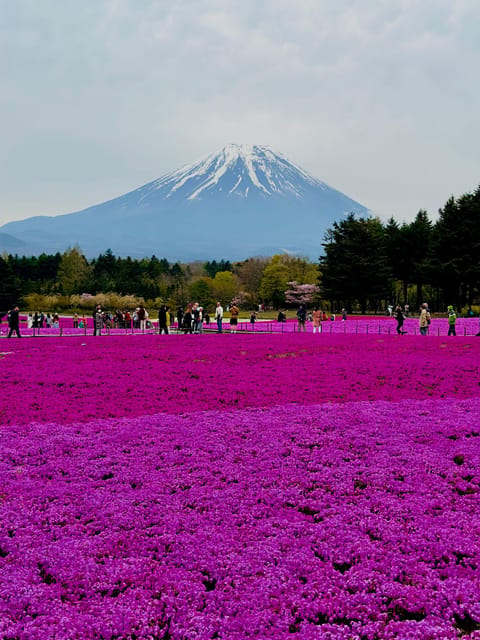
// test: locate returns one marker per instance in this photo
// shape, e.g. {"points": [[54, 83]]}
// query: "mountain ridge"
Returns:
{"points": [[233, 203]]}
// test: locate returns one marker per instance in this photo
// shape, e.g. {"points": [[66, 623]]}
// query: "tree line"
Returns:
{"points": [[364, 265], [366, 262], [71, 280]]}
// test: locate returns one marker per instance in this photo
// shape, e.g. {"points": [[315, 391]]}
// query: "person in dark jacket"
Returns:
{"points": [[399, 317], [187, 321], [162, 320], [180, 314], [14, 322], [302, 317]]}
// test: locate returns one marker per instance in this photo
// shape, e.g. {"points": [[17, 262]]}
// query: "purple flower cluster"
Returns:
{"points": [[347, 511]]}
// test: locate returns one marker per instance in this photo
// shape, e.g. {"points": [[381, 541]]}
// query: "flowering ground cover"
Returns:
{"points": [[246, 486], [71, 379]]}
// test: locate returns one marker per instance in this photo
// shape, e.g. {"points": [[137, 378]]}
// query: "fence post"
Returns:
{"points": [[61, 331]]}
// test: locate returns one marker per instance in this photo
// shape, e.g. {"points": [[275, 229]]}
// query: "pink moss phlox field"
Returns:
{"points": [[240, 486], [355, 521], [68, 379]]}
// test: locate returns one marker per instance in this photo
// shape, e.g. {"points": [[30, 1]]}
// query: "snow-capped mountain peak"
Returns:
{"points": [[245, 200], [237, 170]]}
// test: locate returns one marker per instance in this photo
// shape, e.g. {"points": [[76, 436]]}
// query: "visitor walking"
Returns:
{"points": [[399, 317], [425, 319], [14, 322]]}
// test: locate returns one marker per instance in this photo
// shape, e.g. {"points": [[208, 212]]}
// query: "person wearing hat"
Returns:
{"points": [[452, 318]]}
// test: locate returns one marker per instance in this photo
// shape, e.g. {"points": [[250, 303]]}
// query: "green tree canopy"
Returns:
{"points": [[202, 290], [355, 265], [8, 291], [456, 249], [225, 286], [73, 272]]}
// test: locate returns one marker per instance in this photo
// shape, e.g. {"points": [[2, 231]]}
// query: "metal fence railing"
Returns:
{"points": [[364, 326]]}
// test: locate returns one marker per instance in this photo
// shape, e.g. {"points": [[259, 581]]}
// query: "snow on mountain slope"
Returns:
{"points": [[237, 170], [242, 201]]}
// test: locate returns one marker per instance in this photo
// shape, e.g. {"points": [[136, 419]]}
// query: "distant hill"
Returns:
{"points": [[243, 201], [10, 244]]}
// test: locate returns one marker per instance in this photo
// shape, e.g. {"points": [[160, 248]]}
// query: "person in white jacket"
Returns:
{"points": [[219, 317]]}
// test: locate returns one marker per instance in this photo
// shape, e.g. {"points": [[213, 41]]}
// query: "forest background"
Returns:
{"points": [[364, 265]]}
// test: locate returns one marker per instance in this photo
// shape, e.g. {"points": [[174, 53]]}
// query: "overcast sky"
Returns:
{"points": [[378, 98]]}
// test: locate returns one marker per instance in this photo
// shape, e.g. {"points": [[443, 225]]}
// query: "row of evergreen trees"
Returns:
{"points": [[365, 264], [368, 262]]}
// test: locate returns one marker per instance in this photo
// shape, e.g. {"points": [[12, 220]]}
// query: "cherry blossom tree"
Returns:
{"points": [[301, 293]]}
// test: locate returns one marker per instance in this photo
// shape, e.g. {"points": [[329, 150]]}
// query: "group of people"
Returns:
{"points": [[38, 320], [138, 319], [191, 319], [391, 313], [194, 317], [316, 318], [425, 319]]}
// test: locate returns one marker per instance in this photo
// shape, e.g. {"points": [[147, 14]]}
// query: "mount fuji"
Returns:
{"points": [[243, 201]]}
